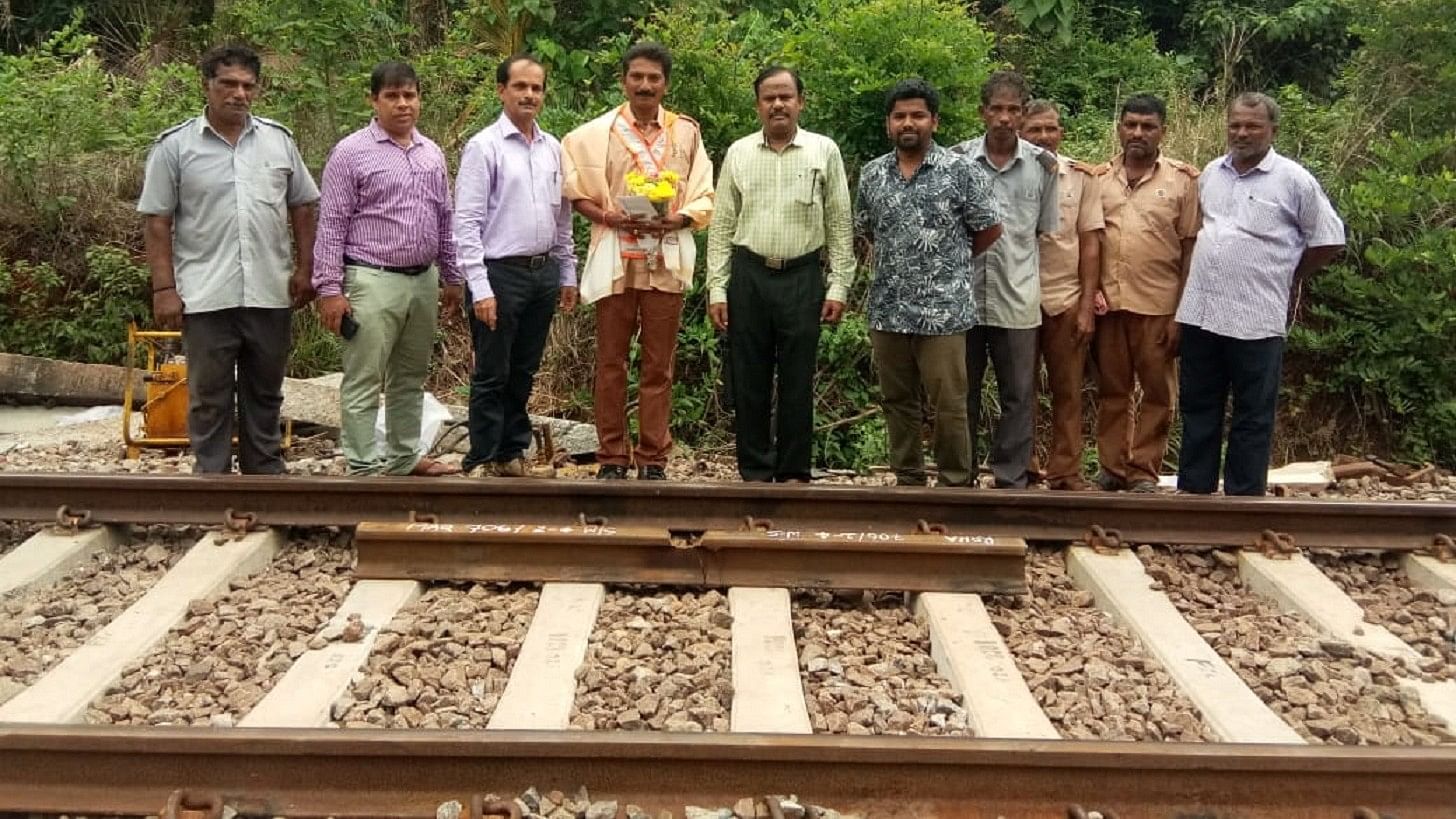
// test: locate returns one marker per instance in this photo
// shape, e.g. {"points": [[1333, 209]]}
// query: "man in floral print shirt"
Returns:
{"points": [[926, 212]]}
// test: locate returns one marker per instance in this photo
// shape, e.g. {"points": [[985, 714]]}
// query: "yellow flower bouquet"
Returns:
{"points": [[660, 190]]}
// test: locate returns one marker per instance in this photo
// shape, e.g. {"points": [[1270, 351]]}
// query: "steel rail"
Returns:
{"points": [[1032, 515], [590, 553], [329, 772]]}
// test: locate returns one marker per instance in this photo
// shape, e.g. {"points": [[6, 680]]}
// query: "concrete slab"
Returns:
{"points": [[47, 556], [1429, 573], [64, 692], [970, 653], [1300, 587], [306, 693], [542, 687], [1122, 588], [768, 693]]}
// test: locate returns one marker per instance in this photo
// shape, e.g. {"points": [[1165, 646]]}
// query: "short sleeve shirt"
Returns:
{"points": [[231, 241], [1256, 226], [1079, 210], [1007, 277], [1142, 252], [921, 229]]}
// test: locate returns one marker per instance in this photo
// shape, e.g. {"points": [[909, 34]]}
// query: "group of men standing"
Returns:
{"points": [[996, 251]]}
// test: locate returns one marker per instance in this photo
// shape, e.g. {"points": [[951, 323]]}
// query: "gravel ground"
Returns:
{"points": [[867, 668], [657, 660], [15, 532], [1090, 676], [1416, 616], [39, 628], [231, 650], [1326, 689], [443, 661]]}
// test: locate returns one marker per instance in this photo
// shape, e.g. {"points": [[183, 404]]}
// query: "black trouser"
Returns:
{"points": [[506, 358], [773, 328], [1210, 366], [1013, 354], [236, 359]]}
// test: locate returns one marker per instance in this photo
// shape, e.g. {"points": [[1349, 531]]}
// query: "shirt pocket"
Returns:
{"points": [[1262, 217], [270, 184], [1159, 212], [808, 187], [429, 185]]}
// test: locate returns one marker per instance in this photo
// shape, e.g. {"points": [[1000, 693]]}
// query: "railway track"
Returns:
{"points": [[249, 644]]}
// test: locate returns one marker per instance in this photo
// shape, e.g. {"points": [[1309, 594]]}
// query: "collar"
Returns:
{"points": [[976, 149], [203, 126], [796, 142], [1266, 165], [1116, 165], [934, 155], [509, 128], [626, 113], [377, 132]]}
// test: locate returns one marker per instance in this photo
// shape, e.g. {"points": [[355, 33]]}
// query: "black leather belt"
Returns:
{"points": [[528, 262], [403, 271], [777, 262]]}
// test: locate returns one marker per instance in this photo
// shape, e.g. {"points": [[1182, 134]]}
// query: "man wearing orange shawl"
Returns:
{"points": [[637, 270]]}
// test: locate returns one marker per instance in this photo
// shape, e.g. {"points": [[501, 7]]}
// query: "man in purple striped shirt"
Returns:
{"points": [[513, 231], [384, 244]]}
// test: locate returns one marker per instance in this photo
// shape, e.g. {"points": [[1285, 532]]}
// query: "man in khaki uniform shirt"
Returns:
{"points": [[1071, 258], [1150, 206]]}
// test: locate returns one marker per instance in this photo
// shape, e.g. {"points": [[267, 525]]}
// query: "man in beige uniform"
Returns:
{"points": [[637, 269], [1070, 273], [1150, 206]]}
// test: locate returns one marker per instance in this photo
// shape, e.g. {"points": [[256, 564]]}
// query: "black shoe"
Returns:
{"points": [[612, 472], [651, 472], [1108, 482]]}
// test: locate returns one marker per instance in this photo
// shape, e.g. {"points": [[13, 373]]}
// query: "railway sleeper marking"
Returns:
{"points": [[768, 690]]}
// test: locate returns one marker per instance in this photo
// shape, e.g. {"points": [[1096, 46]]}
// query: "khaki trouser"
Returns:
{"points": [[619, 318], [908, 365], [1131, 439], [397, 315], [1066, 362]]}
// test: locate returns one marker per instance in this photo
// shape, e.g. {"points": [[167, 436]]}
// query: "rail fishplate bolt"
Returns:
{"points": [[191, 805], [480, 808], [753, 524], [236, 525], [68, 522], [1102, 540], [1443, 548], [1275, 545]]}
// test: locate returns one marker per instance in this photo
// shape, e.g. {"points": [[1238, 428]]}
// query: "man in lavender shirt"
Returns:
{"points": [[1267, 226], [384, 245], [513, 231]]}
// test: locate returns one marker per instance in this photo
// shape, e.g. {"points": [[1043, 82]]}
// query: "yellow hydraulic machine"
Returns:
{"points": [[164, 412]]}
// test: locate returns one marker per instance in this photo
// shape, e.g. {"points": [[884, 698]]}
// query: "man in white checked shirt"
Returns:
{"points": [[1266, 225]]}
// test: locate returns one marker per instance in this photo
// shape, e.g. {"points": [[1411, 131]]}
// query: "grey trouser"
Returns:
{"points": [[235, 360], [1013, 354]]}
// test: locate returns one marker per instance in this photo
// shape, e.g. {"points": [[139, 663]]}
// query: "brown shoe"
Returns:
{"points": [[514, 468], [431, 468], [1072, 485]]}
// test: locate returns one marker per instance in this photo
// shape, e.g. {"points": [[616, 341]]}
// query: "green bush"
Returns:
{"points": [[44, 313], [1382, 325]]}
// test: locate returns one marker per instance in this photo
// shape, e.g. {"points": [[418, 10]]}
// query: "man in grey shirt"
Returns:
{"points": [[223, 192], [1007, 278]]}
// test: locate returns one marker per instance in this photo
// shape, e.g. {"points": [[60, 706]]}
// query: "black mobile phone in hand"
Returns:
{"points": [[348, 327]]}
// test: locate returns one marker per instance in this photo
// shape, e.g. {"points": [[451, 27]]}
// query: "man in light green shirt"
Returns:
{"points": [[782, 206]]}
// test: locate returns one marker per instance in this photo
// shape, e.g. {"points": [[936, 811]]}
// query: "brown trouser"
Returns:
{"points": [[1066, 362], [908, 367], [1131, 439], [619, 317]]}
